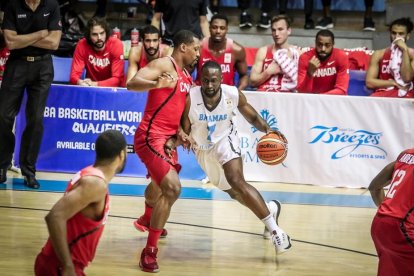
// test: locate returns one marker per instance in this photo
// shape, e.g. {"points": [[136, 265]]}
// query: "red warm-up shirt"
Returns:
{"points": [[106, 66], [332, 76]]}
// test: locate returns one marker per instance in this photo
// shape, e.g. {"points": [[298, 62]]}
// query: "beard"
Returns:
{"points": [[147, 50], [325, 57]]}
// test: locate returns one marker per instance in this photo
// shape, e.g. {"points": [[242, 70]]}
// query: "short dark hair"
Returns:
{"points": [[281, 17], [220, 16], [211, 64], [96, 21], [326, 33], [183, 36], [403, 21], [109, 145], [149, 29]]}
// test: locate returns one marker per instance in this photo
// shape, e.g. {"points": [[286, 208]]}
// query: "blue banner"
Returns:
{"points": [[76, 115]]}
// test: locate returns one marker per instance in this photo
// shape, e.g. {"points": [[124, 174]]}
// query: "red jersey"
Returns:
{"points": [[332, 76], [144, 61], [225, 60], [274, 83], [106, 66], [359, 58], [4, 56], [400, 197], [83, 234], [165, 105], [385, 74]]}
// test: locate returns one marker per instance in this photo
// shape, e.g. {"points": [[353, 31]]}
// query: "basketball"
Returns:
{"points": [[272, 149]]}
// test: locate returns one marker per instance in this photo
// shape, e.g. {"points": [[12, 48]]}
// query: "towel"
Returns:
{"points": [[289, 67], [395, 68]]}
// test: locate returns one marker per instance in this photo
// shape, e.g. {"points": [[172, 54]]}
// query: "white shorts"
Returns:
{"points": [[213, 159]]}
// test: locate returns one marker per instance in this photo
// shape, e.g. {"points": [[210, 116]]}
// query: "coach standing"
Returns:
{"points": [[32, 30]]}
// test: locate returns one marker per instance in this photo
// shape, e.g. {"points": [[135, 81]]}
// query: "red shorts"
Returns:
{"points": [[395, 252], [50, 266], [153, 156], [393, 93]]}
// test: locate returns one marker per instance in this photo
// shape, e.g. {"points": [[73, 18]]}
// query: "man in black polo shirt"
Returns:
{"points": [[32, 30]]}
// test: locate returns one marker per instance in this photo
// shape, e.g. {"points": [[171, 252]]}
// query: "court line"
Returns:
{"points": [[212, 228], [359, 201]]}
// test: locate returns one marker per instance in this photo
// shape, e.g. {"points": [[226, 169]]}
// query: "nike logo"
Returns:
{"points": [[268, 59], [46, 14], [205, 59], [385, 61], [330, 63], [106, 54], [199, 104]]}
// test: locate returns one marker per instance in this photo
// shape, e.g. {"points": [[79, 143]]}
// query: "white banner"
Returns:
{"points": [[340, 141]]}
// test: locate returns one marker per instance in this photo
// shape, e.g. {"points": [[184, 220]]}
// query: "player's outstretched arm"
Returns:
{"points": [[251, 115], [379, 182], [89, 190]]}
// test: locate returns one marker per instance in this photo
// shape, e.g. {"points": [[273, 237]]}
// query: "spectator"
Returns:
{"points": [[327, 23], [324, 69], [266, 9], [150, 49], [181, 15], [390, 71], [100, 54], [29, 68], [228, 53], [275, 66]]}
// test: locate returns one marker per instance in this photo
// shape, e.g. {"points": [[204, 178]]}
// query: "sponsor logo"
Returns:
{"points": [[266, 60], [330, 63], [205, 59], [46, 14], [21, 15], [350, 143]]}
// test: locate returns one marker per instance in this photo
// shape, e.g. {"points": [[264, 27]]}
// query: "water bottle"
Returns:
{"points": [[116, 32], [134, 37]]}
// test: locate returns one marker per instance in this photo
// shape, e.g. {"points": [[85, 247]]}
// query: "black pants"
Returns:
{"points": [[36, 77]]}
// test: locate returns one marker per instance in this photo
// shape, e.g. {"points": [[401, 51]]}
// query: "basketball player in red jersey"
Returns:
{"points": [[101, 55], [168, 84], [266, 73], [225, 51], [150, 49], [392, 229], [77, 220], [379, 75], [324, 69]]}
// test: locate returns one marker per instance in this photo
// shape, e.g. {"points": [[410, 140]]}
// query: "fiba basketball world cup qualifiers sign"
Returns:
{"points": [[333, 140], [74, 116]]}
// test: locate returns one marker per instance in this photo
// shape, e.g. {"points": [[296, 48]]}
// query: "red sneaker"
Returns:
{"points": [[142, 225], [148, 260]]}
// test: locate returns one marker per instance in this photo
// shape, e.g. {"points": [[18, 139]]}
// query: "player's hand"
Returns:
{"points": [[166, 80], [273, 68], [400, 43], [185, 140], [278, 133], [313, 65], [170, 146]]}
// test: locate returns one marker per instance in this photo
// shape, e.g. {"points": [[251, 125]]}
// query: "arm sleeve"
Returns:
{"points": [[342, 77], [54, 19], [78, 64], [117, 66], [305, 83]]}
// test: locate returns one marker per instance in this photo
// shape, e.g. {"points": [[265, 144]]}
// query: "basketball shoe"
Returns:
{"points": [[148, 260], [274, 208], [142, 225], [281, 241]]}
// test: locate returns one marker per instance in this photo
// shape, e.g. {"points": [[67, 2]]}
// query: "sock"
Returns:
{"points": [[244, 13], [264, 13], [148, 212], [153, 237], [270, 223]]}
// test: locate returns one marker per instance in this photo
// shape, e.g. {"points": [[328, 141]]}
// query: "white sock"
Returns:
{"points": [[270, 223]]}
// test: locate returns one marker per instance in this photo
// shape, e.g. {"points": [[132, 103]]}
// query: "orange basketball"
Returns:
{"points": [[272, 149]]}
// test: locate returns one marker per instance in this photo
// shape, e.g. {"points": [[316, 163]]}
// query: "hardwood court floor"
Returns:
{"points": [[206, 236]]}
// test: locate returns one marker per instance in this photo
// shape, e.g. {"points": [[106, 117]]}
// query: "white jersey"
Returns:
{"points": [[208, 127]]}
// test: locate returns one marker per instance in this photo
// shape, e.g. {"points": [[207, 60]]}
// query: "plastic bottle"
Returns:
{"points": [[116, 32], [134, 37]]}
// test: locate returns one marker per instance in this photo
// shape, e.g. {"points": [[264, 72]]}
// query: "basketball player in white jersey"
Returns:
{"points": [[208, 116]]}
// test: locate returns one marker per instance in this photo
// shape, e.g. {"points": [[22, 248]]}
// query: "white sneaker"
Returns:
{"points": [[274, 208], [281, 241], [14, 169]]}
